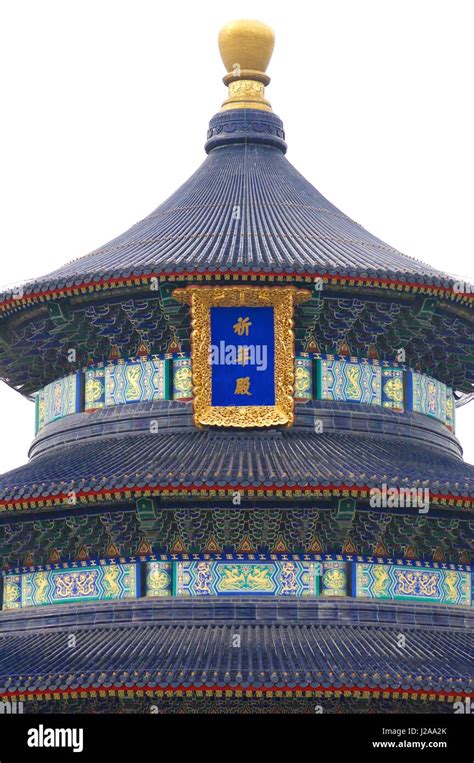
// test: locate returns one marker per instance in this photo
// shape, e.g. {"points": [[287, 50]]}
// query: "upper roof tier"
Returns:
{"points": [[245, 214], [246, 209]]}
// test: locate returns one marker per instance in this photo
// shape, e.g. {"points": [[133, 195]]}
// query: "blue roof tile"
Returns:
{"points": [[210, 459], [176, 642], [285, 225]]}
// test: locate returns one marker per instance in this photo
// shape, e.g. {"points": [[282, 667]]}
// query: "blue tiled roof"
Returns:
{"points": [[167, 645], [285, 224], [212, 459]]}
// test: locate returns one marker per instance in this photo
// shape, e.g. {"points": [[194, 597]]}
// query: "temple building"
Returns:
{"points": [[245, 492]]}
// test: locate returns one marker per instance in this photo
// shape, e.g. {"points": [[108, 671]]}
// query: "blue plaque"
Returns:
{"points": [[243, 353], [242, 356]]}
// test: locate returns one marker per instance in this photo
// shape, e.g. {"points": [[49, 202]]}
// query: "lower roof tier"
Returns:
{"points": [[284, 646], [119, 453]]}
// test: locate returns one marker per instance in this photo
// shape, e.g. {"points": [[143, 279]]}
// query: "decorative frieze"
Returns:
{"points": [[407, 583], [360, 577], [324, 377], [354, 382], [182, 379], [427, 396], [62, 586], [58, 399], [159, 579], [270, 578], [303, 378]]}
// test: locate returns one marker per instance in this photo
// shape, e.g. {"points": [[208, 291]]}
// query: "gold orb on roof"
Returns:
{"points": [[247, 44], [246, 47]]}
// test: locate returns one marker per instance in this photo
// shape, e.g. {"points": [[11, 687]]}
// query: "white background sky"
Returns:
{"points": [[104, 108]]}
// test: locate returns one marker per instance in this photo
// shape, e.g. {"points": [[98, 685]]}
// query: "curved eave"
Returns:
{"points": [[286, 463], [285, 228], [295, 649], [125, 495], [314, 689], [78, 288]]}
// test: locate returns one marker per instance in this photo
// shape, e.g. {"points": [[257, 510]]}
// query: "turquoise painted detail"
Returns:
{"points": [[334, 578], [159, 579], [348, 381], [137, 381], [182, 379], [303, 378], [406, 583], [427, 396], [79, 583], [58, 399], [216, 578]]}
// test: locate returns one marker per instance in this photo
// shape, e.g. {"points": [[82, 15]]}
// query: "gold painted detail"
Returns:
{"points": [[132, 375], [247, 89], [416, 582], [203, 578], [246, 94], [242, 386], [450, 581], [94, 390], [11, 593], [334, 579], [239, 577], [353, 388], [242, 327], [246, 47], [282, 299], [382, 581], [71, 584], [111, 586], [183, 379], [289, 583], [41, 582], [159, 579], [394, 389], [302, 381]]}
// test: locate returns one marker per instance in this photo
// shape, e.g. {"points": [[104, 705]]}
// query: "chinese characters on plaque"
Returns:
{"points": [[243, 354]]}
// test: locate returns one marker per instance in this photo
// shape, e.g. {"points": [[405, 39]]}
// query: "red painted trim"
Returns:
{"points": [[234, 689], [238, 273], [216, 488]]}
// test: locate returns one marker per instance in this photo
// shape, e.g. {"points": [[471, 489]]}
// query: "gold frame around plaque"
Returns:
{"points": [[283, 300]]}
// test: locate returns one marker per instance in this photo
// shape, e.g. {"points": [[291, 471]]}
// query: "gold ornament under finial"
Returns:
{"points": [[246, 47]]}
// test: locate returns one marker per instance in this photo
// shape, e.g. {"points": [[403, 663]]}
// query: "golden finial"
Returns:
{"points": [[246, 47]]}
